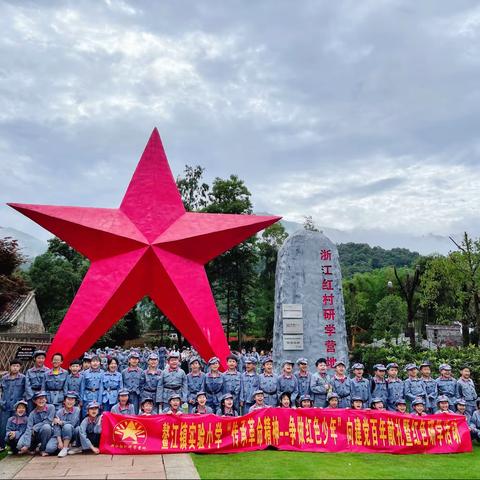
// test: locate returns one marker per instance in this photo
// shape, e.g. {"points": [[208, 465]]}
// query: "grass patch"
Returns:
{"points": [[273, 464]]}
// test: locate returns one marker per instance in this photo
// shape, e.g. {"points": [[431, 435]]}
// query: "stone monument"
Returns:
{"points": [[309, 308]]}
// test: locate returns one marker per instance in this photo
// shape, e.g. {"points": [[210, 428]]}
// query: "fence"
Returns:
{"points": [[9, 343]]}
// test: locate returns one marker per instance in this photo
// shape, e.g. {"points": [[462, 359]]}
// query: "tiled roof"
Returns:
{"points": [[8, 315]]}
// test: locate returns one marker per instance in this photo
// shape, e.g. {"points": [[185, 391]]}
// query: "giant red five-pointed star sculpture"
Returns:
{"points": [[150, 246]]}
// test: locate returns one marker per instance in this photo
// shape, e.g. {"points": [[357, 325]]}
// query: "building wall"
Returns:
{"points": [[445, 335]]}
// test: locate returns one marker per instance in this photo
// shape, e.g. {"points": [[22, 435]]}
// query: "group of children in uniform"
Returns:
{"points": [[55, 411]]}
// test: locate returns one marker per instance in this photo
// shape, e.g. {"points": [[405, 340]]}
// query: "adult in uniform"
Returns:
{"points": [[414, 386]]}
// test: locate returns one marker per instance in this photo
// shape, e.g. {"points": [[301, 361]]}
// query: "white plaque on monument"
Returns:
{"points": [[292, 310], [292, 325], [293, 342]]}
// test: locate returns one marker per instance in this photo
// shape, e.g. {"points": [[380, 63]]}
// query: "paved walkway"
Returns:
{"points": [[100, 466]]}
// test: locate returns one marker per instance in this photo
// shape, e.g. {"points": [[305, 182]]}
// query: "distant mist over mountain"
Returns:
{"points": [[30, 245], [423, 244]]}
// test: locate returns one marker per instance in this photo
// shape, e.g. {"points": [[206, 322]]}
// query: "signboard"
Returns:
{"points": [[292, 310], [25, 352], [292, 325], [293, 342]]}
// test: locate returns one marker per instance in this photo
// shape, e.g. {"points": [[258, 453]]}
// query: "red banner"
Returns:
{"points": [[306, 430]]}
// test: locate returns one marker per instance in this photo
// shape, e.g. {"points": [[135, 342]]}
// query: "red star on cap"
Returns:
{"points": [[150, 246]]}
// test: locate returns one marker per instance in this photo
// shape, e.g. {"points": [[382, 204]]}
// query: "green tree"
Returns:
{"points": [[12, 283], [269, 244], [193, 190], [233, 273], [390, 317], [309, 224]]}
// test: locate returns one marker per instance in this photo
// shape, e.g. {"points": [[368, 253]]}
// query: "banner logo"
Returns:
{"points": [[130, 432]]}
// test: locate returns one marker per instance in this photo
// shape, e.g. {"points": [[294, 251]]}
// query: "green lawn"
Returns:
{"points": [[273, 464]]}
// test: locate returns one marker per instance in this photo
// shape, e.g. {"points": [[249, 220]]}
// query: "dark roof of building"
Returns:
{"points": [[9, 313]]}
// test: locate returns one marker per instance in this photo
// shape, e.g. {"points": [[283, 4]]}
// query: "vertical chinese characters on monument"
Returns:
{"points": [[309, 309]]}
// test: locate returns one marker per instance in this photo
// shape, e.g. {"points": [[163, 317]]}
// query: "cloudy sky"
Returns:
{"points": [[361, 114]]}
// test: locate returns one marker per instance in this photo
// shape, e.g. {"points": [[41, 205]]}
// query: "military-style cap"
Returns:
{"points": [[123, 391], [194, 359], [410, 366], [418, 401], [380, 367], [93, 405], [200, 393], [392, 365], [21, 402], [288, 362], [339, 362], [251, 360], [425, 363], [306, 397], [232, 357], [173, 355], [71, 394], [133, 355], [332, 395], [145, 400], [227, 395], [37, 353], [266, 360], [460, 401], [442, 398], [302, 360], [95, 357], [356, 398], [358, 366], [258, 392], [376, 400], [41, 393], [400, 401], [213, 360], [153, 356], [86, 358], [173, 396], [444, 366]]}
